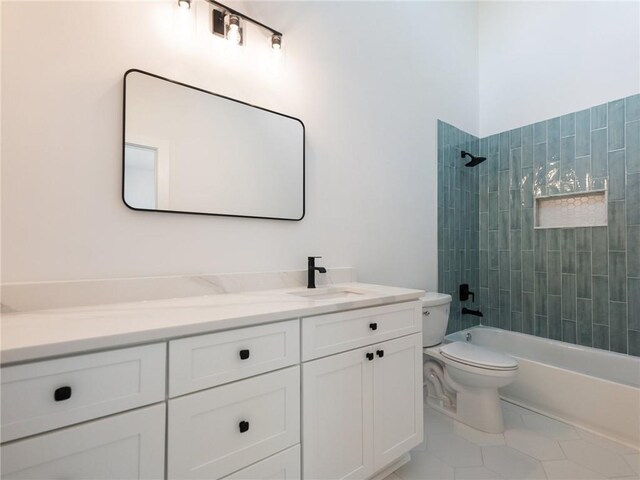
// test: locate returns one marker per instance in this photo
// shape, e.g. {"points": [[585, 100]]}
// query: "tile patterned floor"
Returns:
{"points": [[532, 447]]}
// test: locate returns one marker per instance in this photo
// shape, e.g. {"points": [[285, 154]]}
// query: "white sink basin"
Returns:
{"points": [[329, 293]]}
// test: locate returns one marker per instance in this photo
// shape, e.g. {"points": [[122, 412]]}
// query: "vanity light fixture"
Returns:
{"points": [[227, 23], [184, 4]]}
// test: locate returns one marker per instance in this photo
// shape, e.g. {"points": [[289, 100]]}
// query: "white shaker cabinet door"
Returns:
{"points": [[122, 447], [397, 393], [337, 417], [281, 466]]}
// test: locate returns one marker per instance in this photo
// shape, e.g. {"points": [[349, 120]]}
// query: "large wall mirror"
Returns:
{"points": [[187, 150]]}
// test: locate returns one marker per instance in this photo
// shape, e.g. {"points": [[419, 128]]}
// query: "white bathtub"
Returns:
{"points": [[587, 387]]}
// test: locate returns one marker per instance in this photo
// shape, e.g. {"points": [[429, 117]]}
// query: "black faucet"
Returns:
{"points": [[466, 311], [311, 272]]}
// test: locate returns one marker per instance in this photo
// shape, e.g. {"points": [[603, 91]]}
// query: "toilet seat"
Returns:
{"points": [[479, 357]]}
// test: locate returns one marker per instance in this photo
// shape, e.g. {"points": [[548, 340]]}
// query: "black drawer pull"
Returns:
{"points": [[62, 393], [244, 354], [370, 356], [244, 426], [373, 326], [380, 353]]}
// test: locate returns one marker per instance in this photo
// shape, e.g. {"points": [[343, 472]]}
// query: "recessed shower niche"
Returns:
{"points": [[585, 209]]}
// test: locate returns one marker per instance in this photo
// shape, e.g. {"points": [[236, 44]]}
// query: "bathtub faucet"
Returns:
{"points": [[466, 311]]}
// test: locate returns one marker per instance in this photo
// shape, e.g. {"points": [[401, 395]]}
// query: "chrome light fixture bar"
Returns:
{"points": [[227, 24]]}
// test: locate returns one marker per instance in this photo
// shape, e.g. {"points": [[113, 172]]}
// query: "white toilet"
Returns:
{"points": [[462, 379]]}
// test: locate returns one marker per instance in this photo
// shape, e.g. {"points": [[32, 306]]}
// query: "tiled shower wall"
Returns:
{"points": [[458, 218], [579, 285]]}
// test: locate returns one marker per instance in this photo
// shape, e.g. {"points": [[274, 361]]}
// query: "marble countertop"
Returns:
{"points": [[47, 333]]}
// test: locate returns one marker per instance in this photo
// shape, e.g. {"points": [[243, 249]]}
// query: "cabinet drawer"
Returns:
{"points": [[42, 396], [281, 466], [205, 361], [125, 446], [337, 332], [222, 430]]}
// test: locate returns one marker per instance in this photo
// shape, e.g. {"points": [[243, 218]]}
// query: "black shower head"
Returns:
{"points": [[474, 160]]}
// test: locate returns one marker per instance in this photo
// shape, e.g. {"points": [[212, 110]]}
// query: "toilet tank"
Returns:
{"points": [[435, 316]]}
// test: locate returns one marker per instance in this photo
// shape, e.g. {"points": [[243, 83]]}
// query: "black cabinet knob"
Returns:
{"points": [[370, 356], [380, 353], [373, 326], [62, 393], [244, 354], [244, 426]]}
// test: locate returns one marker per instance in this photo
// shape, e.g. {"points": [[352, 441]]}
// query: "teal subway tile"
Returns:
{"points": [[617, 226], [527, 187], [583, 133], [633, 285], [599, 116], [527, 271], [583, 174], [553, 140], [633, 252], [601, 336], [494, 280], [568, 164], [617, 276], [583, 239], [632, 108], [540, 326], [515, 136], [634, 343], [618, 326], [484, 268], [484, 231], [515, 249], [515, 168], [504, 151], [493, 250], [615, 127], [600, 246], [553, 239], [503, 230], [568, 248], [527, 312], [504, 269], [515, 210], [505, 310], [540, 249], [633, 146], [599, 154], [493, 211], [585, 323], [494, 317], [554, 179], [527, 229], [568, 331], [527, 146], [568, 125], [555, 273], [540, 132], [484, 194], [503, 190], [583, 274], [516, 321], [540, 293], [633, 199], [516, 291], [555, 316], [540, 168], [616, 175], [568, 296]]}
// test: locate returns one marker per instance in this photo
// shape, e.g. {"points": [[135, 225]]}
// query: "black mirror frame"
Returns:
{"points": [[124, 115]]}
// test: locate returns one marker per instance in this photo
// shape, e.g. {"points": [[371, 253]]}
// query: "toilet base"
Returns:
{"points": [[482, 412]]}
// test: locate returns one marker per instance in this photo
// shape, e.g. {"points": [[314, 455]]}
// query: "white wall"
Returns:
{"points": [[368, 79], [539, 60]]}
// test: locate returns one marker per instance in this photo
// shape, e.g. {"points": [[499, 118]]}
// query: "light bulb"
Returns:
{"points": [[234, 35], [184, 4], [276, 42]]}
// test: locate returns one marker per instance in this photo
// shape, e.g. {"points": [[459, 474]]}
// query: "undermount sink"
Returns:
{"points": [[328, 293]]}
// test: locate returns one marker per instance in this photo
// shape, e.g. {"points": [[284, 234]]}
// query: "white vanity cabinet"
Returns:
{"points": [[362, 409], [126, 446]]}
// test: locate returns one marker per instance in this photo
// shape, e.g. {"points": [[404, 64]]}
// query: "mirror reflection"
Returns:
{"points": [[191, 151]]}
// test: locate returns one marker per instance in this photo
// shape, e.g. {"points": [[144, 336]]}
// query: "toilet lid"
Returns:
{"points": [[474, 355]]}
